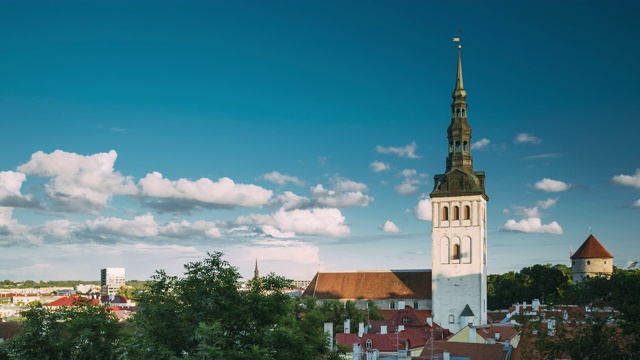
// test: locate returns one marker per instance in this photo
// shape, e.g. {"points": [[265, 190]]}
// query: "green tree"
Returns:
{"points": [[544, 282], [606, 324], [203, 316], [78, 332]]}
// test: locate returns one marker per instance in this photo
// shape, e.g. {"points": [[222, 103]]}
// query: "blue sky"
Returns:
{"points": [[307, 134]]}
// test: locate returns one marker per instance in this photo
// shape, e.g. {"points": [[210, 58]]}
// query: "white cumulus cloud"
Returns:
{"points": [[378, 166], [10, 195], [344, 194], [524, 138], [408, 151], [550, 185], [480, 144], [140, 227], [532, 225], [13, 233], [545, 204], [389, 226], [223, 192], [628, 180], [79, 183], [423, 210], [317, 221], [281, 179]]}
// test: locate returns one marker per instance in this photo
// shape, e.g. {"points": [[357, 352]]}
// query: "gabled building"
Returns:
{"points": [[406, 331], [384, 288], [591, 260]]}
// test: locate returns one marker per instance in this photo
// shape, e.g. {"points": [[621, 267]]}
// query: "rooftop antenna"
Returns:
{"points": [[590, 230]]}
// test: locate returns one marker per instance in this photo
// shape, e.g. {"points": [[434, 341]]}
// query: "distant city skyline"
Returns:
{"points": [[306, 134]]}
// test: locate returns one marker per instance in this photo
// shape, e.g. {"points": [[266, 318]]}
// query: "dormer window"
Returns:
{"points": [[405, 320], [369, 344]]}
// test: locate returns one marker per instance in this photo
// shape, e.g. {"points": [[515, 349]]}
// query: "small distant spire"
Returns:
{"points": [[256, 273], [590, 230]]}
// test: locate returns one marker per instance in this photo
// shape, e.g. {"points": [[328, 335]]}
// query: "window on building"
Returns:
{"points": [[456, 252], [452, 319], [467, 212], [392, 305], [456, 213], [445, 213], [588, 262], [405, 320], [415, 305], [369, 344]]}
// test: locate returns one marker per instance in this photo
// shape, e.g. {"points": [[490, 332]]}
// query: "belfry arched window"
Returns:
{"points": [[445, 213], [463, 115], [466, 146], [456, 252], [456, 213], [467, 212]]}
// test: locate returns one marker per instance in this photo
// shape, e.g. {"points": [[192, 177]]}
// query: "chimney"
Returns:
{"points": [[347, 326], [445, 355], [536, 304], [356, 351], [383, 329], [360, 329], [401, 305], [430, 321], [328, 329], [472, 334]]}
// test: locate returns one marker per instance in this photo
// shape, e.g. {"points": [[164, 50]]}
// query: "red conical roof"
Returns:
{"points": [[591, 248]]}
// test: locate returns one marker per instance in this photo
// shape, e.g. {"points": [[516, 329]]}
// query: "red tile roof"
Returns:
{"points": [[71, 301], [388, 342], [472, 351], [591, 248], [390, 284]]}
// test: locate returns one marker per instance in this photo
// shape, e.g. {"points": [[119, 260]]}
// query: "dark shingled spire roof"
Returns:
{"points": [[590, 249], [467, 311]]}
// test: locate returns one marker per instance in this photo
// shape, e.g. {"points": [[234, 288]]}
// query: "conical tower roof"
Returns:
{"points": [[591, 248]]}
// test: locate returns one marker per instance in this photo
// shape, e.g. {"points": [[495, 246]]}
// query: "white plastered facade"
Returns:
{"points": [[459, 258]]}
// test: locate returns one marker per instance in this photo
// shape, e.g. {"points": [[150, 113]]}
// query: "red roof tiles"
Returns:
{"points": [[591, 248], [392, 284]]}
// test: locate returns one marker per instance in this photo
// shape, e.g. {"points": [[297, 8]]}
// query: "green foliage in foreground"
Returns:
{"points": [[201, 315], [609, 330], [543, 282]]}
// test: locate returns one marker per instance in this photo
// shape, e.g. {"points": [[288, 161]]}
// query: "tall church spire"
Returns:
{"points": [[459, 176], [459, 132]]}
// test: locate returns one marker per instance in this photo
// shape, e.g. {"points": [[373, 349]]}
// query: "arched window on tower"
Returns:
{"points": [[466, 146], [445, 213], [458, 113], [463, 113], [456, 252], [467, 212], [450, 147], [456, 213], [458, 146]]}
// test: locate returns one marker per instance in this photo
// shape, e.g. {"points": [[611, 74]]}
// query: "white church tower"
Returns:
{"points": [[459, 227]]}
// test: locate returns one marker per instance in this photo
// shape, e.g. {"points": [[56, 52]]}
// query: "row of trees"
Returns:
{"points": [[548, 283], [201, 315]]}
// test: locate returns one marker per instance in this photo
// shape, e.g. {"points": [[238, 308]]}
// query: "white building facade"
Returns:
{"points": [[459, 227], [111, 280]]}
